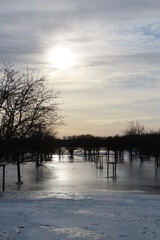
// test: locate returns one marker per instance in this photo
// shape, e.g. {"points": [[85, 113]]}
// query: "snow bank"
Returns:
{"points": [[79, 216]]}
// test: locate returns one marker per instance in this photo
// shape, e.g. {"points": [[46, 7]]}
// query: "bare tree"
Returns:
{"points": [[134, 128], [26, 106]]}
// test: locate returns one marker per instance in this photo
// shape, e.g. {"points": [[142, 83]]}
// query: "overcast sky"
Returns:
{"points": [[116, 44]]}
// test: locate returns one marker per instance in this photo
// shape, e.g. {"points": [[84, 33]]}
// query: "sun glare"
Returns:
{"points": [[61, 58]]}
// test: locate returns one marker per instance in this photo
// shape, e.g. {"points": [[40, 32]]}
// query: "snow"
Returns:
{"points": [[80, 216]]}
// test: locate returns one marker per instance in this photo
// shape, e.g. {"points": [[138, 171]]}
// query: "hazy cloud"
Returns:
{"points": [[117, 49]]}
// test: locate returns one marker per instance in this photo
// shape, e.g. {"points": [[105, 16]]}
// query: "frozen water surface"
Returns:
{"points": [[78, 175]]}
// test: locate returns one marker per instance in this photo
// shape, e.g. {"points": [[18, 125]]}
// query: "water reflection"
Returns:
{"points": [[76, 174]]}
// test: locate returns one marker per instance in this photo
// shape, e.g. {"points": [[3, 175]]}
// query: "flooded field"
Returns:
{"points": [[79, 175]]}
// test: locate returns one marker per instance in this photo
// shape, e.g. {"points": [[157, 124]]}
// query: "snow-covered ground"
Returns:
{"points": [[80, 216]]}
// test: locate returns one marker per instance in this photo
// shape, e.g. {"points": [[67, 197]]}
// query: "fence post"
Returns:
{"points": [[3, 177]]}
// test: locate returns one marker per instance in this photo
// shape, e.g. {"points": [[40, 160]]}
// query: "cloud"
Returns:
{"points": [[119, 120], [117, 45]]}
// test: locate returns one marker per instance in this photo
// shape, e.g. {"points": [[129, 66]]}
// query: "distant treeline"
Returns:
{"points": [[42, 147], [143, 146]]}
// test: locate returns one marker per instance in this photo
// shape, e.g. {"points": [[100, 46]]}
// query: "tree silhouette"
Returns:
{"points": [[134, 128], [26, 106]]}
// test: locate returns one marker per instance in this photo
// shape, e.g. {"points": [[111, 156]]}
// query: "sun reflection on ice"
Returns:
{"points": [[55, 158]]}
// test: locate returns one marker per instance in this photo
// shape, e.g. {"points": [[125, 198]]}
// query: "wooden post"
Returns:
{"points": [[3, 188], [115, 170], [107, 169], [3, 177]]}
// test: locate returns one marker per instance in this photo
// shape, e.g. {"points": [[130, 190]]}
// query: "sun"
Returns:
{"points": [[61, 58]]}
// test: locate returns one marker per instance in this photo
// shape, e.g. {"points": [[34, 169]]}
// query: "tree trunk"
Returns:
{"points": [[19, 171]]}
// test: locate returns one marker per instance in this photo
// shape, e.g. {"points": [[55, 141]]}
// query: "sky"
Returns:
{"points": [[108, 63]]}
